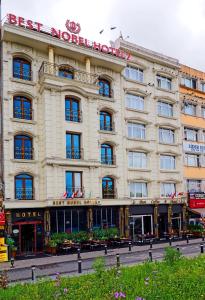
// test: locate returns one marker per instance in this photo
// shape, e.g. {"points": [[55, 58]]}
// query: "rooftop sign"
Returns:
{"points": [[69, 37]]}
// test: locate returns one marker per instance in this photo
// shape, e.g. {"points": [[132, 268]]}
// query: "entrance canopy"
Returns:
{"points": [[198, 211]]}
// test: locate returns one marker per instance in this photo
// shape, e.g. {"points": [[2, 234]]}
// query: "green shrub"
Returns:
{"points": [[171, 255]]}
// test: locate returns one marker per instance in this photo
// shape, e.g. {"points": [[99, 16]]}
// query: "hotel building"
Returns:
{"points": [[89, 139]]}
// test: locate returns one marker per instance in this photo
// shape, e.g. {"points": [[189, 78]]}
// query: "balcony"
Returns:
{"points": [[109, 193], [74, 153], [74, 192], [107, 127], [24, 194], [73, 115], [80, 76], [108, 159], [23, 153], [26, 114]]}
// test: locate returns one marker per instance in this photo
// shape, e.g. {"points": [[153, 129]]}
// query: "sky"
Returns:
{"points": [[173, 27]]}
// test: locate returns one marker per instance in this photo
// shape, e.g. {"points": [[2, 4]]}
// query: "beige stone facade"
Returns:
{"points": [[48, 126]]}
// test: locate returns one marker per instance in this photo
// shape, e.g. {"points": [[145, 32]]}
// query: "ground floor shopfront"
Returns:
{"points": [[32, 228]]}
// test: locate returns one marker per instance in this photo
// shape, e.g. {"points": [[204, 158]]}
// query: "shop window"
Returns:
{"points": [[108, 191], [73, 150], [24, 187], [23, 147], [21, 68], [106, 217], [107, 154], [105, 87], [72, 110], [66, 72], [106, 121], [22, 108]]}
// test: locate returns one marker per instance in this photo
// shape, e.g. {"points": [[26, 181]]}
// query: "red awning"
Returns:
{"points": [[198, 211]]}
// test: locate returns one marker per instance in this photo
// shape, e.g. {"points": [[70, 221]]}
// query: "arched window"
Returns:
{"points": [[72, 110], [108, 191], [107, 154], [24, 187], [105, 89], [22, 108], [21, 68], [23, 147], [106, 121], [66, 72]]}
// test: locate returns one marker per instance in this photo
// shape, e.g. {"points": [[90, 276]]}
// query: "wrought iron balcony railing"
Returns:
{"points": [[54, 69], [73, 115], [108, 159], [26, 114], [74, 153], [74, 192], [106, 126], [24, 193], [25, 75], [109, 193], [23, 153]]}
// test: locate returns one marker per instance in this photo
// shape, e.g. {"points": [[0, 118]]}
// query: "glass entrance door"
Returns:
{"points": [[141, 225], [28, 239]]}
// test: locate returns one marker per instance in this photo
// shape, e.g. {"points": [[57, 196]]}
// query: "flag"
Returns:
{"points": [[80, 194], [180, 194], [173, 195], [65, 195]]}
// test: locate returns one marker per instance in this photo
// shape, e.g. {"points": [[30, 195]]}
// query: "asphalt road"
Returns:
{"points": [[70, 268]]}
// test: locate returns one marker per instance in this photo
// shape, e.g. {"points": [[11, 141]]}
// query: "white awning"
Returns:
{"points": [[198, 211]]}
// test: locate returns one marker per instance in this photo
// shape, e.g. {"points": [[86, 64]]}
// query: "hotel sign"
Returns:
{"points": [[69, 37], [193, 147], [75, 202]]}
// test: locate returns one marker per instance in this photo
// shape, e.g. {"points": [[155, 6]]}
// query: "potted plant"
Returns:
{"points": [[12, 249], [52, 246]]}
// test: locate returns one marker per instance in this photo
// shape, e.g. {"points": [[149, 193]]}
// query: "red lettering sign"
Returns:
{"points": [[74, 28], [199, 203], [2, 218]]}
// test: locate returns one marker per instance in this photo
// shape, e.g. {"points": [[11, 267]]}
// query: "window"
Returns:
{"points": [[194, 186], [168, 190], [190, 109], [138, 189], [106, 121], [107, 154], [190, 134], [167, 162], [166, 136], [202, 86], [134, 102], [74, 185], [189, 82], [108, 191], [105, 89], [66, 72], [105, 217], [73, 150], [72, 110], [136, 131], [192, 160], [137, 160], [22, 108], [165, 109], [23, 147], [24, 187], [203, 112], [134, 73], [21, 68], [164, 82]]}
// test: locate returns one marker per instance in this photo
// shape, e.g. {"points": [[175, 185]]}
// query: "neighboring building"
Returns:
{"points": [[89, 141], [192, 97]]}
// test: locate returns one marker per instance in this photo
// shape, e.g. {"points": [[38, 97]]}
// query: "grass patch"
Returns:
{"points": [[175, 278]]}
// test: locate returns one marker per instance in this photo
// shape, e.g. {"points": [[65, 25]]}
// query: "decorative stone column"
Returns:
{"points": [[127, 233], [51, 60], [184, 217], [170, 219], [121, 221], [156, 225], [89, 219], [87, 64], [47, 225]]}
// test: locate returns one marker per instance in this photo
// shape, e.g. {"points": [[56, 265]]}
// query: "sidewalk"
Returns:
{"points": [[52, 260]]}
